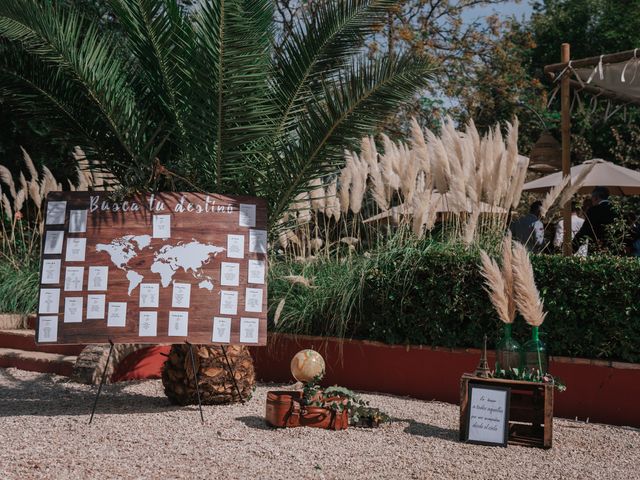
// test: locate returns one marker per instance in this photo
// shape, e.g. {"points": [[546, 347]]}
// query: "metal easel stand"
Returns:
{"points": [[232, 373], [104, 375], [195, 378]]}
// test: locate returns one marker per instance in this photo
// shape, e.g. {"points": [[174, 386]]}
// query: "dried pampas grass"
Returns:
{"points": [[378, 189], [316, 244], [351, 241], [29, 164], [526, 293], [346, 176], [34, 193], [471, 225], [360, 172], [276, 316], [317, 194], [495, 287], [299, 280], [512, 198], [577, 185], [302, 207], [6, 206], [422, 212], [332, 205], [553, 194], [21, 197], [7, 178]]}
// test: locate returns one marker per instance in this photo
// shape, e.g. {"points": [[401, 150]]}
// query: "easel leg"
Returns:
{"points": [[232, 373], [195, 378], [104, 375]]}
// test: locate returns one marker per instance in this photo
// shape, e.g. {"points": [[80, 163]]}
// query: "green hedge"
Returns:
{"points": [[434, 296]]}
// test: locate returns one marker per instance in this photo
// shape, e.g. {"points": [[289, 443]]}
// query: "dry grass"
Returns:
{"points": [[478, 179], [526, 293], [495, 286]]}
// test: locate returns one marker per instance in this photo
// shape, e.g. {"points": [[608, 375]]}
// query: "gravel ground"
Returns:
{"points": [[137, 434]]}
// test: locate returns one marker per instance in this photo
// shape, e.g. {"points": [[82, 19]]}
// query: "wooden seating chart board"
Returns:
{"points": [[157, 268]]}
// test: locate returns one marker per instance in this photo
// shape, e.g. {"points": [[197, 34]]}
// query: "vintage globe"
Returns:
{"points": [[307, 365]]}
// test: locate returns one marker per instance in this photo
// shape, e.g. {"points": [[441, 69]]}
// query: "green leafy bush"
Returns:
{"points": [[18, 287], [432, 294]]}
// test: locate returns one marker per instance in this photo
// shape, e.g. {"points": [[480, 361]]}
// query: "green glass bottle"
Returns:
{"points": [[508, 351], [535, 354]]}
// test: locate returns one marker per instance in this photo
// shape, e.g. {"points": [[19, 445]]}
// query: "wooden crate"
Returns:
{"points": [[530, 410]]}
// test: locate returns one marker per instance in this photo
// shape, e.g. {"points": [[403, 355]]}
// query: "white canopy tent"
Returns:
{"points": [[614, 77], [619, 180]]}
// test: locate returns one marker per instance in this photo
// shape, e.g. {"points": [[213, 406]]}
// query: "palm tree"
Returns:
{"points": [[201, 99]]}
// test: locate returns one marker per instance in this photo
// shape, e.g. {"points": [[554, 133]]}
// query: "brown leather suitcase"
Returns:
{"points": [[285, 410]]}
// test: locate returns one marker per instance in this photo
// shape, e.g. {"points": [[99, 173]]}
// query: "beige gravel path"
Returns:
{"points": [[137, 434]]}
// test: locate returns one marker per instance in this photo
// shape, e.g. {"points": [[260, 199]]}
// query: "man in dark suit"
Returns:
{"points": [[599, 216]]}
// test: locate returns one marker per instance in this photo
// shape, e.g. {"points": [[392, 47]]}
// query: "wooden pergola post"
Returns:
{"points": [[565, 98]]}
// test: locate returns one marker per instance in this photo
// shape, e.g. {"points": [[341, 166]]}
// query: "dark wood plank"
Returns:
{"points": [[207, 219]]}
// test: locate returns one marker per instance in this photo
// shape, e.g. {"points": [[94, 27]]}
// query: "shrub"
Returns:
{"points": [[19, 287], [433, 295]]}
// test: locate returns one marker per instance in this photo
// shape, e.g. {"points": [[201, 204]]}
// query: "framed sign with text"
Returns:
{"points": [[157, 268], [487, 421]]}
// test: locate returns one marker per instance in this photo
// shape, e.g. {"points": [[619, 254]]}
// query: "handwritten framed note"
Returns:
{"points": [[488, 415]]}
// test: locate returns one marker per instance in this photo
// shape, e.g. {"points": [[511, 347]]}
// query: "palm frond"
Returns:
{"points": [[233, 70], [348, 109], [319, 47]]}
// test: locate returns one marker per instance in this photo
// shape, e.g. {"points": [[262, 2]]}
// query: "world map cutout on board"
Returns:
{"points": [[161, 268]]}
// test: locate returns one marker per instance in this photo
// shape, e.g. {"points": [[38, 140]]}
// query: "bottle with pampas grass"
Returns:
{"points": [[499, 285], [530, 305]]}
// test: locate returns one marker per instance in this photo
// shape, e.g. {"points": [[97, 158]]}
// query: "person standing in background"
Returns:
{"points": [[576, 224], [529, 230], [599, 216]]}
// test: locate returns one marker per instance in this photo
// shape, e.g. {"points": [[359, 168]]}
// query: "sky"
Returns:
{"points": [[519, 9]]}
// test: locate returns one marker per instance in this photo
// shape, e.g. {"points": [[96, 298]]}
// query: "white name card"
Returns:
{"points": [[247, 215], [249, 330], [56, 212], [76, 248], [148, 325], [77, 221], [221, 330], [53, 242], [50, 271], [73, 309], [117, 314], [178, 324], [48, 329]]}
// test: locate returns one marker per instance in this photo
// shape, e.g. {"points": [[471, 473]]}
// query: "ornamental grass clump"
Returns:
{"points": [[526, 293], [464, 181]]}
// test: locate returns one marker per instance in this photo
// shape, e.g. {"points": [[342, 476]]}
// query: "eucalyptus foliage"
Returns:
{"points": [[200, 98]]}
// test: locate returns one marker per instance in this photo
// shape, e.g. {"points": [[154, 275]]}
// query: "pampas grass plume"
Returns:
{"points": [[29, 164], [317, 194], [495, 286], [527, 297], [553, 194], [6, 206], [346, 177], [576, 185], [7, 178]]}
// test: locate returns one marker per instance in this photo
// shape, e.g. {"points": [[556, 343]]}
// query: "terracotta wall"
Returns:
{"points": [[604, 392]]}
